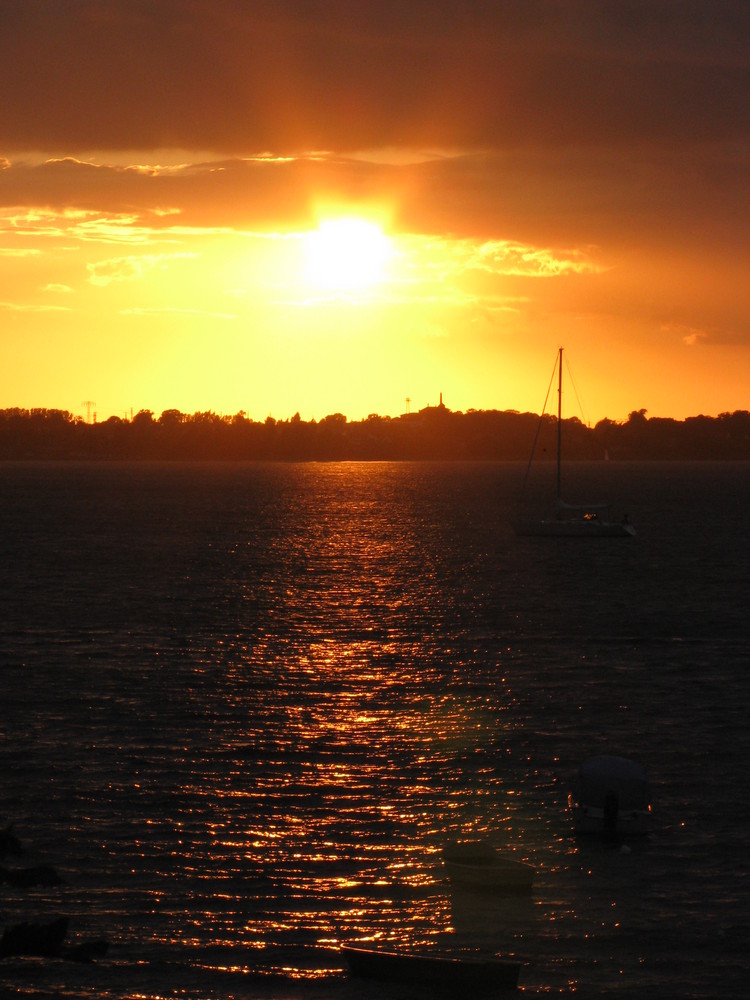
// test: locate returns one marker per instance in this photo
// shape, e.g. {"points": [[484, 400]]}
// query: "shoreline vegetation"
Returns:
{"points": [[434, 433]]}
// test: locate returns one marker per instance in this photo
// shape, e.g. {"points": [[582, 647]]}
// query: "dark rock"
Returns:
{"points": [[44, 940], [9, 842], [29, 877]]}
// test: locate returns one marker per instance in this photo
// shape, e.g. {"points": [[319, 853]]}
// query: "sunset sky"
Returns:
{"points": [[285, 206]]}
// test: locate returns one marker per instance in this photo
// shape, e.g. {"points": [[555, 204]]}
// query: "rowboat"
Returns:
{"points": [[475, 864], [439, 972]]}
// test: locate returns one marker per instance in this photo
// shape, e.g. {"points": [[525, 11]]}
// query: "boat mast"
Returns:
{"points": [[559, 422]]}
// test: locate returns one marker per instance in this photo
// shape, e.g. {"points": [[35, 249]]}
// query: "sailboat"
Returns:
{"points": [[570, 520]]}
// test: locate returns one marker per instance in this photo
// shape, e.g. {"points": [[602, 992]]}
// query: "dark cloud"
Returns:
{"points": [[238, 77], [607, 199]]}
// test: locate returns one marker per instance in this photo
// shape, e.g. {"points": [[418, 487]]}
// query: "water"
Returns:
{"points": [[243, 707]]}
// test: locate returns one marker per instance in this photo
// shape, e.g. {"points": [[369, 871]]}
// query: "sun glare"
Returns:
{"points": [[346, 253]]}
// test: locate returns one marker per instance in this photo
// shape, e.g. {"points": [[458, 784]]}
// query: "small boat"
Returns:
{"points": [[475, 864], [589, 520], [439, 972], [576, 521], [611, 797]]}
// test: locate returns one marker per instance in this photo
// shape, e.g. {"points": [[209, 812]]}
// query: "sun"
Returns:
{"points": [[346, 253]]}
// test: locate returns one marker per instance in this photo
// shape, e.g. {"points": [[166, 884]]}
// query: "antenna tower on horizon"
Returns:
{"points": [[89, 404]]}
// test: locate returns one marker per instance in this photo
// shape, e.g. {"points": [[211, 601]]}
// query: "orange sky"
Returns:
{"points": [[545, 174]]}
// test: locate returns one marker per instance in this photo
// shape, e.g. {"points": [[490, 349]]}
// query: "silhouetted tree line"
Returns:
{"points": [[433, 433]]}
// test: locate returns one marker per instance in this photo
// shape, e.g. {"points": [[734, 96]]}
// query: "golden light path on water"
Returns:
{"points": [[349, 792], [357, 747]]}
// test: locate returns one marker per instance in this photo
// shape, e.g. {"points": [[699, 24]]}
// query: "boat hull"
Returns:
{"points": [[436, 971], [554, 528], [489, 878], [477, 865], [591, 820], [611, 797]]}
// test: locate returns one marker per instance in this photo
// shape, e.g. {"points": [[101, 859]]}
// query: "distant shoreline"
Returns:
{"points": [[435, 433]]}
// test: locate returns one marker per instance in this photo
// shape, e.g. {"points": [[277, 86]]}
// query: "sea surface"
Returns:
{"points": [[244, 706]]}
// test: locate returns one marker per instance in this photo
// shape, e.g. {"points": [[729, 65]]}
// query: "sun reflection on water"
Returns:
{"points": [[350, 790], [357, 732]]}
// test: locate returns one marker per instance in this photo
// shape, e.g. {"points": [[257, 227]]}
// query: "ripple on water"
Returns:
{"points": [[265, 697]]}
